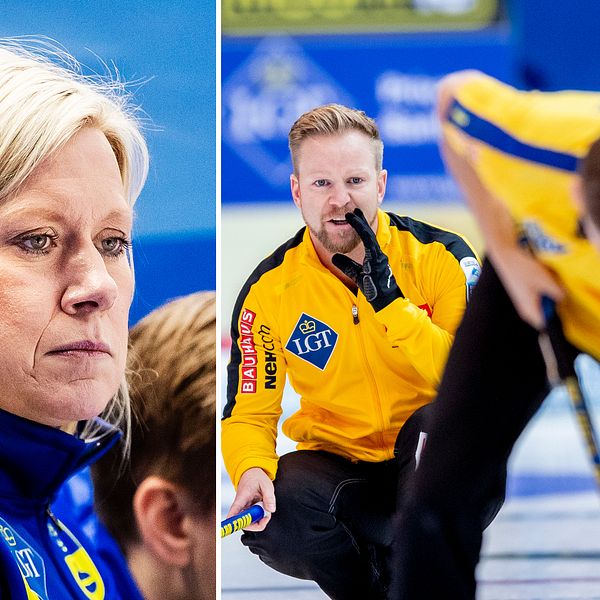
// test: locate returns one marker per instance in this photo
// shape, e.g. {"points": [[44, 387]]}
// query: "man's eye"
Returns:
{"points": [[321, 182], [356, 180]]}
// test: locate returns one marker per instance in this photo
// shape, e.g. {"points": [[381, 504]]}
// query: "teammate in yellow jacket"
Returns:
{"points": [[516, 156], [359, 309]]}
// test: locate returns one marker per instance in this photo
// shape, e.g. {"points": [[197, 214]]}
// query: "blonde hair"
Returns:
{"points": [[333, 119], [44, 101], [173, 391]]}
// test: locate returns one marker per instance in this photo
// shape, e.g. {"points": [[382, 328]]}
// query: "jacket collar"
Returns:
{"points": [[35, 459]]}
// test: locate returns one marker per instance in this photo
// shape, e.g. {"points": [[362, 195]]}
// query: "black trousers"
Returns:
{"points": [[333, 522], [494, 382]]}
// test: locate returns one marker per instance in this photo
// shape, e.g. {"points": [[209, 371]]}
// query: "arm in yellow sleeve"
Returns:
{"points": [[524, 278], [255, 382], [425, 340]]}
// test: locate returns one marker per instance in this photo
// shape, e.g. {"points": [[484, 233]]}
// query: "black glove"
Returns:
{"points": [[374, 277]]}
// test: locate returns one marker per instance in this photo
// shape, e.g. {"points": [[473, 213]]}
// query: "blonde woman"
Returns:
{"points": [[72, 163]]}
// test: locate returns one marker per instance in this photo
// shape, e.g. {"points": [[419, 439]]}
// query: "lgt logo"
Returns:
{"points": [[312, 341], [7, 534]]}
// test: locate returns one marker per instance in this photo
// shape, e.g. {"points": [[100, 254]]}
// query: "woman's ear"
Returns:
{"points": [[159, 510]]}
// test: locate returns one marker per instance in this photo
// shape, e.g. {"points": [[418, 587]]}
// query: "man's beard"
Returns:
{"points": [[342, 244]]}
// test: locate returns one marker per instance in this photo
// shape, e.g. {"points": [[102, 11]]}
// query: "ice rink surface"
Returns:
{"points": [[544, 544]]}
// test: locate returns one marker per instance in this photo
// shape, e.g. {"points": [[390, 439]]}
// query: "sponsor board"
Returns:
{"points": [[263, 16]]}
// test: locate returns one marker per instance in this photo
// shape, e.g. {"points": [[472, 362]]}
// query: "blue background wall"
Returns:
{"points": [[556, 44], [268, 82], [171, 47]]}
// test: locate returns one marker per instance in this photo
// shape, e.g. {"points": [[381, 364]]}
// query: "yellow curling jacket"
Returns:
{"points": [[525, 147], [360, 375]]}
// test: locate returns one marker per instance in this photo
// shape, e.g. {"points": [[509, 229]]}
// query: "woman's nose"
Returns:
{"points": [[90, 287]]}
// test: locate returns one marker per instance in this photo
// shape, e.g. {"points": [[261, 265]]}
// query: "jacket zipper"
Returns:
{"points": [[69, 580], [373, 382]]}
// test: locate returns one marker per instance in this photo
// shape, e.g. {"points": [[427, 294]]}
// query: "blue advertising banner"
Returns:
{"points": [[268, 82]]}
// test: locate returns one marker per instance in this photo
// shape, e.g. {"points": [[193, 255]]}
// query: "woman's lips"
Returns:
{"points": [[81, 348]]}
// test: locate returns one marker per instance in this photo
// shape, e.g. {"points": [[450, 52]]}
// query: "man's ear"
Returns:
{"points": [[381, 184], [158, 506], [295, 187]]}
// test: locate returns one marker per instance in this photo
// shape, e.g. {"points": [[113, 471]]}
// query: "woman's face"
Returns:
{"points": [[65, 285]]}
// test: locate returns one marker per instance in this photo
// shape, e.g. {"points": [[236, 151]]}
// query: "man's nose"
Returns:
{"points": [[339, 196]]}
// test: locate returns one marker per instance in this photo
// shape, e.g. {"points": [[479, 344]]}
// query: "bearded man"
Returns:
{"points": [[359, 309]]}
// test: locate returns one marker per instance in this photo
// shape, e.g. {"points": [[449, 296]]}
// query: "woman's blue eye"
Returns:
{"points": [[37, 243], [114, 246]]}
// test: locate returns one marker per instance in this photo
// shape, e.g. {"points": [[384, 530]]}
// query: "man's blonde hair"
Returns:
{"points": [[44, 101], [333, 119]]}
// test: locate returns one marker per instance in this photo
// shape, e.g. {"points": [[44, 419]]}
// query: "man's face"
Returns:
{"points": [[336, 174]]}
